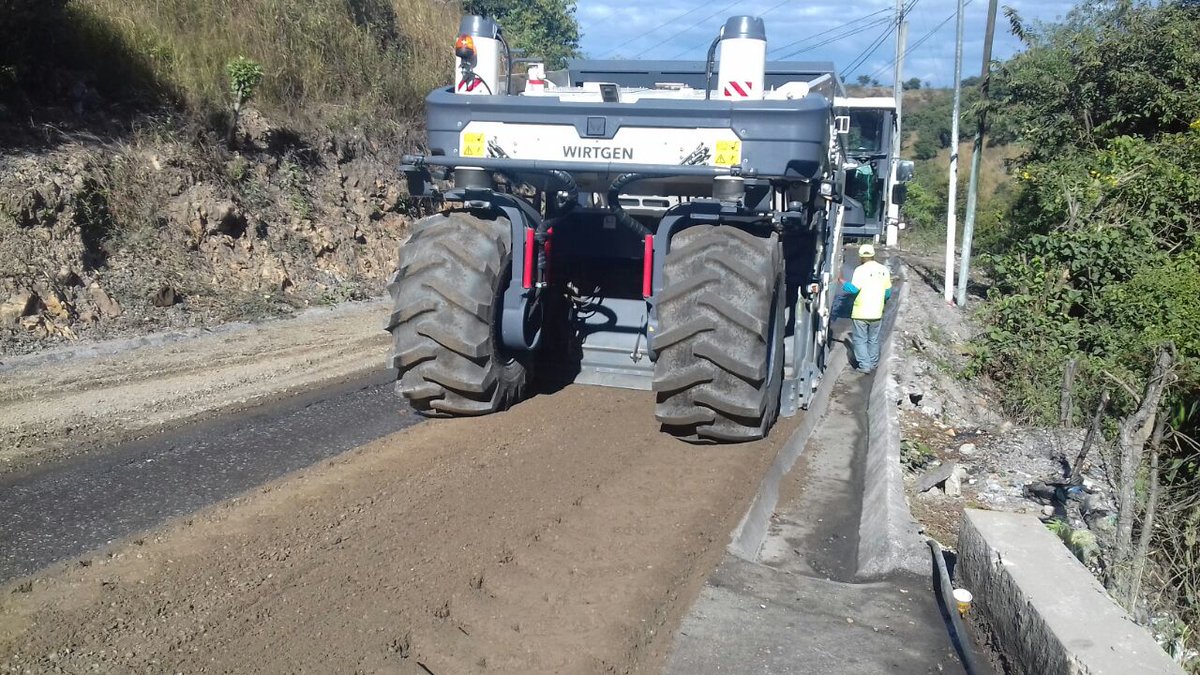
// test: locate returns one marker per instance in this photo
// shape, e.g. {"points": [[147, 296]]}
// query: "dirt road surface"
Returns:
{"points": [[565, 536], [63, 402]]}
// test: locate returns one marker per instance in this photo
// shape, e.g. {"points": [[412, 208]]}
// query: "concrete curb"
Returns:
{"points": [[889, 538], [748, 536], [1044, 607]]}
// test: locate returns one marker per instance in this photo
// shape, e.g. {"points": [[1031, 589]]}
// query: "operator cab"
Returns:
{"points": [[875, 177]]}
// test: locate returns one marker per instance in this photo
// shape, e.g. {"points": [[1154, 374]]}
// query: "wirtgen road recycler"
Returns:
{"points": [[673, 226]]}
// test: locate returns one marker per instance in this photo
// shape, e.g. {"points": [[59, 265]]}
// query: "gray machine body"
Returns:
{"points": [[787, 153], [785, 139]]}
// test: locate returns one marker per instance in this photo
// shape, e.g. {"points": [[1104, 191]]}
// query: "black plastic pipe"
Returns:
{"points": [[958, 630], [542, 233]]}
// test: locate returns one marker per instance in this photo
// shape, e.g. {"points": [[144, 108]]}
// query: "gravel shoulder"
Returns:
{"points": [[71, 400]]}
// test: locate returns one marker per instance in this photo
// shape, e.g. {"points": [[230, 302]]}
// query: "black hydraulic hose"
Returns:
{"points": [[542, 233], [708, 67], [614, 203], [962, 642], [508, 57], [567, 185]]}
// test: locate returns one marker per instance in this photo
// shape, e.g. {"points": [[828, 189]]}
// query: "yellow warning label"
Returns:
{"points": [[473, 144], [729, 153]]}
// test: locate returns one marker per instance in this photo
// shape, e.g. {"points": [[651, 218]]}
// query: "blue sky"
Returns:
{"points": [[682, 29]]}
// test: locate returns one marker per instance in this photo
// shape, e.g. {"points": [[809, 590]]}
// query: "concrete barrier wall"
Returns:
{"points": [[1044, 607], [889, 538]]}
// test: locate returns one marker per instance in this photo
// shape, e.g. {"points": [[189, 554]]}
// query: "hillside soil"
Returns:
{"points": [[167, 227], [952, 425]]}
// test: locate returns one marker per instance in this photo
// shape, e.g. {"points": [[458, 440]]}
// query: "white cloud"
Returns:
{"points": [[683, 29]]}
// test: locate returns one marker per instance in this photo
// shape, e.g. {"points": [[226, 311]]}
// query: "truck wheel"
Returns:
{"points": [[446, 298], [720, 347]]}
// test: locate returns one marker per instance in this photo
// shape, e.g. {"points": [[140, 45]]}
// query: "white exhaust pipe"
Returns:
{"points": [[741, 74]]}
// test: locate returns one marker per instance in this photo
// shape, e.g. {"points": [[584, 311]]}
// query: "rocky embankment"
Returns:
{"points": [[163, 229]]}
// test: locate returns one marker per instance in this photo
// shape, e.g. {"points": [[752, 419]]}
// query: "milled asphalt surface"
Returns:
{"points": [[56, 512]]}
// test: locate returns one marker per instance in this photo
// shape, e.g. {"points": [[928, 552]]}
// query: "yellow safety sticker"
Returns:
{"points": [[473, 144], [729, 153]]}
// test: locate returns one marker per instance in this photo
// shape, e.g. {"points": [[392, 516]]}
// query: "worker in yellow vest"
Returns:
{"points": [[872, 287]]}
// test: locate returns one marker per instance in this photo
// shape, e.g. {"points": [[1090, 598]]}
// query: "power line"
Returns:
{"points": [[688, 28], [920, 41], [639, 36], [838, 37], [693, 45], [914, 46], [824, 32], [774, 7], [848, 29], [868, 51]]}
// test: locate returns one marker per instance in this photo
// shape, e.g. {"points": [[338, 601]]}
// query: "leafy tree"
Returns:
{"points": [[925, 148], [863, 80], [1112, 69], [912, 84], [930, 119], [1108, 203], [538, 28]]}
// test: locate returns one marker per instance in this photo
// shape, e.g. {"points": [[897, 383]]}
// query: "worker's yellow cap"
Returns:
{"points": [[866, 251]]}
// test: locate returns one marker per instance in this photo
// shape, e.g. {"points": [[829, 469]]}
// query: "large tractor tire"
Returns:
{"points": [[446, 297], [720, 346]]}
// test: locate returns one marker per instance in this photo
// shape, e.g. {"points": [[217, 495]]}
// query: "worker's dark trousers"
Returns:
{"points": [[866, 344]]}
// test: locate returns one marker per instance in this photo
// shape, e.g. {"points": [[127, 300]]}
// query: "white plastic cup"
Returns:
{"points": [[962, 598]]}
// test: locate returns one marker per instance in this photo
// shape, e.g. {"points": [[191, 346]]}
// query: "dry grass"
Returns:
{"points": [[349, 60], [995, 193]]}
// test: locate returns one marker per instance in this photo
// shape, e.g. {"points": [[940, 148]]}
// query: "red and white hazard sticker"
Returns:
{"points": [[735, 89], [469, 85]]}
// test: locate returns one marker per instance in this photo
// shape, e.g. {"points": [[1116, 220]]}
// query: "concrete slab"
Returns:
{"points": [[748, 537], [752, 618], [1046, 609]]}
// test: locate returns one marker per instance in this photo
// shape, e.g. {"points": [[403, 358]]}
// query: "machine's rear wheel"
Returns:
{"points": [[446, 298], [720, 345]]}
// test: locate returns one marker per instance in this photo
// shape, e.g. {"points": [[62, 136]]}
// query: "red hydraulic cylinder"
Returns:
{"points": [[527, 278], [648, 267]]}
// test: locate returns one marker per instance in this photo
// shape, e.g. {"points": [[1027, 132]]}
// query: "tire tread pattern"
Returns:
{"points": [[712, 379], [445, 291]]}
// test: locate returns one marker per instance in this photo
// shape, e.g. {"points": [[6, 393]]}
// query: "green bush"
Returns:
{"points": [[244, 77], [1099, 252]]}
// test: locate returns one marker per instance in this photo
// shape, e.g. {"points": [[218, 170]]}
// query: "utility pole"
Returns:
{"points": [[951, 215], [897, 87], [985, 78], [892, 219]]}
